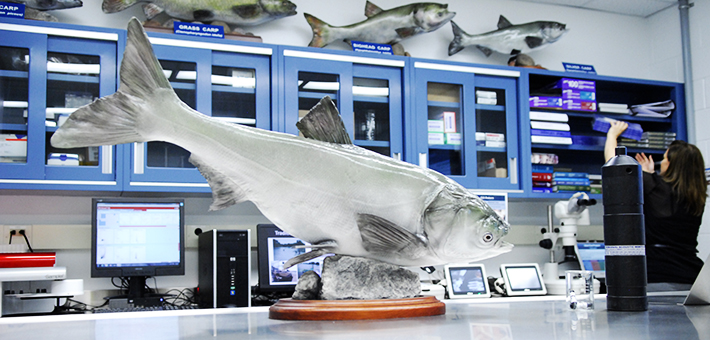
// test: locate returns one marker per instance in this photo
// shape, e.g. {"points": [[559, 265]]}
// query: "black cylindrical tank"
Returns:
{"points": [[624, 238]]}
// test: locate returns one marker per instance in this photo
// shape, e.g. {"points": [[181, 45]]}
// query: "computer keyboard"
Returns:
{"points": [[142, 309]]}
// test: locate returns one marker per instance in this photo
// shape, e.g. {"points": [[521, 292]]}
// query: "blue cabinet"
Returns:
{"points": [[47, 71], [226, 80], [585, 152], [465, 123], [367, 91]]}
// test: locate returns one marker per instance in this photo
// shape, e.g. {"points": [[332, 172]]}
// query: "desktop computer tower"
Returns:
{"points": [[224, 269]]}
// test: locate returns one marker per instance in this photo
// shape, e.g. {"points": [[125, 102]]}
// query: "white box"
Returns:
{"points": [[495, 137], [449, 121], [436, 139], [495, 144], [13, 146], [480, 136], [486, 101], [453, 138], [63, 159], [435, 125]]}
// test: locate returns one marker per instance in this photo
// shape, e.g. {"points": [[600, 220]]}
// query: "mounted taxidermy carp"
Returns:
{"points": [[341, 198], [383, 27], [509, 38], [47, 5], [236, 12]]}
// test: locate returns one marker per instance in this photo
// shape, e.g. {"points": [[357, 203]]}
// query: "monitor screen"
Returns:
{"points": [[137, 237], [592, 256], [274, 248], [523, 279], [466, 281]]}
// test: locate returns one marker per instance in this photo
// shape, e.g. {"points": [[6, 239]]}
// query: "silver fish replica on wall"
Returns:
{"points": [[241, 13], [47, 5], [383, 27], [341, 198], [509, 38]]}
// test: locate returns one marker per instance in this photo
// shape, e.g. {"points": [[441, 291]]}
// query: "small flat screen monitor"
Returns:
{"points": [[466, 281], [135, 238], [522, 279], [274, 248], [592, 253]]}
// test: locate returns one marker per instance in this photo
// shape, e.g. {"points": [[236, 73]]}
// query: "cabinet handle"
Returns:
{"points": [[423, 160], [397, 156], [513, 170], [106, 159], [138, 158]]}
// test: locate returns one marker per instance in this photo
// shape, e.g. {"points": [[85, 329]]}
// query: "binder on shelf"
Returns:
{"points": [[570, 188], [542, 190], [570, 175], [551, 140], [542, 176], [571, 181], [552, 133], [549, 116], [549, 126]]}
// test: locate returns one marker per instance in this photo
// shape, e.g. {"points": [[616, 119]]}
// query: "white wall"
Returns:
{"points": [[616, 45]]}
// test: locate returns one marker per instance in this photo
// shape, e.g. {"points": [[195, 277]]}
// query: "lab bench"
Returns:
{"points": [[545, 317]]}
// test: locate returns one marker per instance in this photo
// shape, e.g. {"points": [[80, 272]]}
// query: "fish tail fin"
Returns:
{"points": [[455, 46], [113, 6], [321, 31], [125, 116]]}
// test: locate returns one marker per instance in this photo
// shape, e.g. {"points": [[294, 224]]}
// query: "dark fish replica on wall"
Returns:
{"points": [[383, 27], [47, 5], [341, 198], [509, 38], [241, 13]]}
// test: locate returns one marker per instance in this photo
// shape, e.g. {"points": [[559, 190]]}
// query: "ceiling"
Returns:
{"points": [[639, 8]]}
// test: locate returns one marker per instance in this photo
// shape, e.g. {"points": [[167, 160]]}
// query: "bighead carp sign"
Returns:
{"points": [[241, 13], [341, 198], [383, 27], [509, 38]]}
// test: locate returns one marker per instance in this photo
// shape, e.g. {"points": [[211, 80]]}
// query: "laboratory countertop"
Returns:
{"points": [[503, 318]]}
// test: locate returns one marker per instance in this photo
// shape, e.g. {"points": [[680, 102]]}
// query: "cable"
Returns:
{"points": [[12, 233], [22, 232]]}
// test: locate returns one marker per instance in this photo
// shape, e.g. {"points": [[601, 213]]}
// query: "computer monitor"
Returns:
{"points": [[592, 255], [274, 248], [136, 238], [522, 279]]}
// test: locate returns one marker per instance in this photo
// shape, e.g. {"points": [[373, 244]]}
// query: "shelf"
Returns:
{"points": [[14, 74], [489, 149], [372, 143], [183, 86], [593, 148], [452, 105], [490, 107], [367, 99], [232, 89], [13, 127], [75, 78], [445, 147], [316, 95]]}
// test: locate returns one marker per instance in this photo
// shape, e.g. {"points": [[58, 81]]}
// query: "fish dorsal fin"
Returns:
{"points": [[503, 23], [406, 32], [224, 191], [323, 123], [380, 236], [372, 9]]}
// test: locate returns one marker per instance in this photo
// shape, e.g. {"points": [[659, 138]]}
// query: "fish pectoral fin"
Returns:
{"points": [[406, 32], [487, 51], [224, 191], [381, 236], [247, 11], [533, 42], [372, 9], [152, 10], [323, 123], [326, 249], [503, 23]]}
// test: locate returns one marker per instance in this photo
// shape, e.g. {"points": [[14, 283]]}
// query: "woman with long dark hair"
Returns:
{"points": [[674, 202]]}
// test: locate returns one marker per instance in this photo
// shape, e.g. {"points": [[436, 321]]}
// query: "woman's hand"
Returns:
{"points": [[617, 128], [647, 164]]}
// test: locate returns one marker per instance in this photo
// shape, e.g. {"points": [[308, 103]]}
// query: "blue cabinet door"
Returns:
{"points": [[367, 92], [210, 78], [47, 73], [465, 124]]}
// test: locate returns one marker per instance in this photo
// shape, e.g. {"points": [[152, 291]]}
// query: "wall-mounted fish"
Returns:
{"points": [[509, 38], [383, 27], [236, 12], [47, 5], [341, 198]]}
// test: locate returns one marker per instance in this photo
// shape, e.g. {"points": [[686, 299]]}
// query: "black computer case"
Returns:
{"points": [[224, 269]]}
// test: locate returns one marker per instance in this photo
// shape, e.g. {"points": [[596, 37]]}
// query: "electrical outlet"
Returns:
{"points": [[17, 238]]}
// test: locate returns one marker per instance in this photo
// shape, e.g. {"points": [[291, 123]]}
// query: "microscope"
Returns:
{"points": [[570, 213]]}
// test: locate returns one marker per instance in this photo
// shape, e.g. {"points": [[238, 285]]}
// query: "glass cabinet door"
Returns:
{"points": [[78, 71], [233, 87], [469, 121], [368, 97]]}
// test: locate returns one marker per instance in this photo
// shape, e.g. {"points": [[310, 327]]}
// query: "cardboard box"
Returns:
{"points": [[444, 93], [453, 138], [449, 121], [436, 138], [579, 105], [549, 102], [579, 95], [495, 144], [63, 159], [495, 137], [13, 148], [576, 84], [435, 126]]}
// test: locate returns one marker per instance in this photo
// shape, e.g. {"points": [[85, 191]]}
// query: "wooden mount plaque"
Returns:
{"points": [[289, 309]]}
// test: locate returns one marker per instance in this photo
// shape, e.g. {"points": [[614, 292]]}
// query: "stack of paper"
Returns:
{"points": [[655, 110], [614, 108], [549, 128]]}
